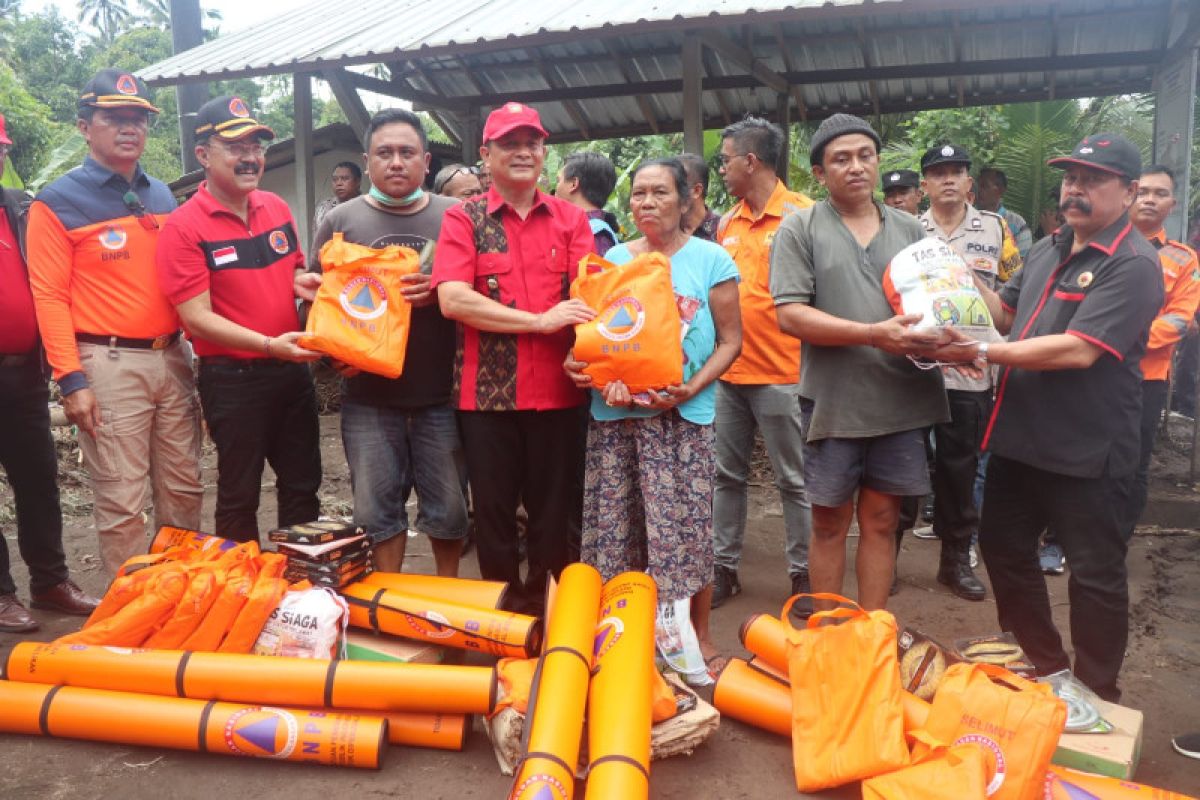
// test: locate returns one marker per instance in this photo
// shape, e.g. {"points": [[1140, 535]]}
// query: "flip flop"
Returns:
{"points": [[716, 663]]}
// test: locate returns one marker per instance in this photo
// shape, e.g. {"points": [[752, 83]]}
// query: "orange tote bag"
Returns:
{"points": [[1017, 720], [359, 315], [947, 773], [636, 335], [847, 711]]}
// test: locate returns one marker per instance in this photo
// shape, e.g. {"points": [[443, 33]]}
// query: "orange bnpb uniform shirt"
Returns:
{"points": [[769, 356], [91, 262], [1181, 280]]}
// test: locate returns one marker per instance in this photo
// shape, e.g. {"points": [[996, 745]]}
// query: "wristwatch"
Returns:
{"points": [[981, 352]]}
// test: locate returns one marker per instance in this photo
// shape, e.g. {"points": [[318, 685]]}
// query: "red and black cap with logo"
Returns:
{"points": [[116, 88], [228, 118], [1108, 152]]}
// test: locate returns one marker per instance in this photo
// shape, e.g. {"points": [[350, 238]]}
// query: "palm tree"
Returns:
{"points": [[158, 13], [108, 17]]}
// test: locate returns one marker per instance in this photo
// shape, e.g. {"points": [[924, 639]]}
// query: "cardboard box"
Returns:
{"points": [[366, 646], [1115, 754]]}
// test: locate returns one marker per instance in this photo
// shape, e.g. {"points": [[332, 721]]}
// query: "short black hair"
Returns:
{"points": [[758, 136], [1161, 169], [355, 170], [694, 167], [996, 174], [393, 116], [596, 175], [683, 181]]}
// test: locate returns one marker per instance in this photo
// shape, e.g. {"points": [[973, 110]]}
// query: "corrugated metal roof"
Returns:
{"points": [[616, 68]]}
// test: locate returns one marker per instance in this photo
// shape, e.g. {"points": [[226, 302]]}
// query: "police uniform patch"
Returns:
{"points": [[947, 151]]}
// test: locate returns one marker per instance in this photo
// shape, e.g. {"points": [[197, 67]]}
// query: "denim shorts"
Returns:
{"points": [[391, 452], [835, 468]]}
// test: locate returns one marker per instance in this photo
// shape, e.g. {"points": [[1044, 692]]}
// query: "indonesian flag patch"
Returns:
{"points": [[224, 255]]}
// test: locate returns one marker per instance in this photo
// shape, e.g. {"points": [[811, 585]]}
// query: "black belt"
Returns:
{"points": [[157, 343], [242, 363], [18, 360]]}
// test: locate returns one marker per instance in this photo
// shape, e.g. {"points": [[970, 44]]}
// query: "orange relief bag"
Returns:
{"points": [[636, 337], [1018, 720], [359, 316], [847, 712], [947, 773]]}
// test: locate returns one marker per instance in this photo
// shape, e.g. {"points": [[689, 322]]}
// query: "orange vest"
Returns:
{"points": [[1181, 280]]}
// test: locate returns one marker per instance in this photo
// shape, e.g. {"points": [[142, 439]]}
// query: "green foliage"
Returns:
{"points": [[29, 122], [979, 130]]}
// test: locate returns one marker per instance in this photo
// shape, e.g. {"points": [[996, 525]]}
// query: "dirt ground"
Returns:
{"points": [[1160, 675]]}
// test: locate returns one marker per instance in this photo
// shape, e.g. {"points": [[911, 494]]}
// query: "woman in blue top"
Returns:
{"points": [[647, 501]]}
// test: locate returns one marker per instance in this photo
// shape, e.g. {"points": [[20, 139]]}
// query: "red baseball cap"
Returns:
{"points": [[3, 133], [509, 117]]}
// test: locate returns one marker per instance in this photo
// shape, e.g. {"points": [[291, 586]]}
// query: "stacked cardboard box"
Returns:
{"points": [[326, 553]]}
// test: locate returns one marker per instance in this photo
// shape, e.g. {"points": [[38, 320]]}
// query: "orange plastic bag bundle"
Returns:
{"points": [[961, 772], [1017, 720], [140, 618], [847, 711], [208, 635], [359, 316], [636, 335], [264, 598], [202, 592]]}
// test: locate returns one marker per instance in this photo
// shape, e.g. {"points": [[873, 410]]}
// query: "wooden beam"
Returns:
{"points": [[783, 112], [303, 121], [554, 80], [707, 56], [405, 91], [472, 136], [960, 83], [347, 97], [872, 85], [737, 54], [627, 66], [693, 96], [797, 91]]}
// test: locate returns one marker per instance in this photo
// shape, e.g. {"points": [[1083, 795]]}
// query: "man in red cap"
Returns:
{"points": [[26, 449], [1064, 432], [503, 269], [110, 335], [229, 261]]}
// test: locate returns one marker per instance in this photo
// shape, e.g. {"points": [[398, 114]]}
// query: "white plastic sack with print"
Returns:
{"points": [[309, 623], [930, 279]]}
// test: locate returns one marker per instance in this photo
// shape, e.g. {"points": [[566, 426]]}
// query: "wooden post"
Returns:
{"points": [[472, 133], [783, 109], [186, 33], [693, 106], [305, 190]]}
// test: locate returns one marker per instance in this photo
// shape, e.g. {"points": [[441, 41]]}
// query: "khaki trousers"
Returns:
{"points": [[147, 447]]}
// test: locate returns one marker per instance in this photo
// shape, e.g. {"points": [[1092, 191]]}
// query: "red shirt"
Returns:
{"points": [[526, 264], [247, 269], [18, 323]]}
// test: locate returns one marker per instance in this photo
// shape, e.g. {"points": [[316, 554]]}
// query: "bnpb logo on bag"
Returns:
{"points": [[541, 787], [608, 632], [364, 297], [257, 732], [622, 320], [998, 754]]}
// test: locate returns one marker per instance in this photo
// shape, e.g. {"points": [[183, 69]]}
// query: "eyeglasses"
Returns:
{"points": [[440, 182], [244, 150]]}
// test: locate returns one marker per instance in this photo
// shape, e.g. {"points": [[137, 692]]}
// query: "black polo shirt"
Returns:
{"points": [[1080, 422]]}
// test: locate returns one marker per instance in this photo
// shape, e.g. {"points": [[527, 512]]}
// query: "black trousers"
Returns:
{"points": [[259, 413], [1154, 400], [1020, 501], [28, 457], [1184, 375], [535, 457], [956, 459]]}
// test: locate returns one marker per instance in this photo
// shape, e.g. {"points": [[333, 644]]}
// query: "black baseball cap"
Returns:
{"points": [[945, 154], [901, 179], [116, 88], [228, 118], [1109, 152]]}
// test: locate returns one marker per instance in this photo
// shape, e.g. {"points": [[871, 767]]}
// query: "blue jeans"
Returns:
{"points": [[391, 451], [775, 411]]}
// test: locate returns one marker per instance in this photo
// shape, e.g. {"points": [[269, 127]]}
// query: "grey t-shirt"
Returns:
{"points": [[429, 357], [857, 392]]}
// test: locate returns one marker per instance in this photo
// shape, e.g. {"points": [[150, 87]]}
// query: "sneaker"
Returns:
{"points": [[924, 532], [1187, 745], [725, 585], [1052, 559], [802, 609]]}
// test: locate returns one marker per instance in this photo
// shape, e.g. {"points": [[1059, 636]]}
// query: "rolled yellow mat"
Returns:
{"points": [[559, 694], [274, 680], [442, 622], [67, 712], [766, 637], [747, 694], [481, 594], [621, 692]]}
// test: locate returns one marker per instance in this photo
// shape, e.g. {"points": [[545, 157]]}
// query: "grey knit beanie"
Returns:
{"points": [[835, 126]]}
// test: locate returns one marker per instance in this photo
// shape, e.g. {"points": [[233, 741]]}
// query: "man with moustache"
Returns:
{"points": [[400, 434], [902, 190], [1181, 281], [111, 337], [1064, 433], [229, 261], [864, 405], [503, 270]]}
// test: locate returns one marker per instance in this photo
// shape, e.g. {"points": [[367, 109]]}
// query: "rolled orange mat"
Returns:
{"points": [[621, 692], [559, 693], [481, 594], [753, 697], [486, 630], [766, 637], [320, 737], [274, 680], [1069, 784], [168, 537], [434, 731]]}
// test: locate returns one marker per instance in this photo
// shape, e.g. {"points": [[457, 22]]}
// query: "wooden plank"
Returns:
{"points": [[347, 97], [305, 189], [693, 106]]}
